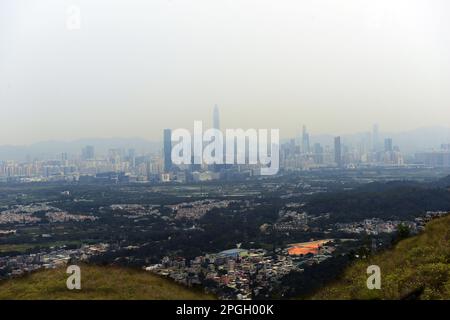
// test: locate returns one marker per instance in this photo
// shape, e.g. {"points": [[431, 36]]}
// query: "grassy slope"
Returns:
{"points": [[418, 264], [97, 283]]}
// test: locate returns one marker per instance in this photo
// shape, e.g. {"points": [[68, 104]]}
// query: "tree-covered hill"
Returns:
{"points": [[392, 200]]}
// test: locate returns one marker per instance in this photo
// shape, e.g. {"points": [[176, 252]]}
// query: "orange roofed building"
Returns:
{"points": [[306, 247]]}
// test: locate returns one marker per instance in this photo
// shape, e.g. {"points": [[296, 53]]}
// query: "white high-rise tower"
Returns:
{"points": [[216, 119]]}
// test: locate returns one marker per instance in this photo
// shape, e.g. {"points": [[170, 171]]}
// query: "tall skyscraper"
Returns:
{"points": [[216, 125], [167, 150], [305, 141], [132, 157], [318, 153], [388, 145], [64, 159], [338, 151], [88, 153], [216, 118], [375, 138]]}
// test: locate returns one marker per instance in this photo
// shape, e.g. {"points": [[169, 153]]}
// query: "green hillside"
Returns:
{"points": [[97, 283], [416, 268]]}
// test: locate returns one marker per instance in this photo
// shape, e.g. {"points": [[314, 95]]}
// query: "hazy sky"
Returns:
{"points": [[136, 67]]}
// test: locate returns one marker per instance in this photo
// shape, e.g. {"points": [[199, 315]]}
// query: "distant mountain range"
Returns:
{"points": [[421, 139]]}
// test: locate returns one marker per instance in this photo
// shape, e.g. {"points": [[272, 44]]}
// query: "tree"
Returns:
{"points": [[403, 231]]}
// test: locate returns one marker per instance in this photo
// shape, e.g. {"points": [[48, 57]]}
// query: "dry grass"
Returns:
{"points": [[97, 283], [418, 264]]}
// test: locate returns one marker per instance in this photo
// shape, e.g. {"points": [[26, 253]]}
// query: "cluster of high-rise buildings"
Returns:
{"points": [[118, 163], [438, 158], [299, 154]]}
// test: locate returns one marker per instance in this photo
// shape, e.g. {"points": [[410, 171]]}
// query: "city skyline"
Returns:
{"points": [[410, 142], [369, 139]]}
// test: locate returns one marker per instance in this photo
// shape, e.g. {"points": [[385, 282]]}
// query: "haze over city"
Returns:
{"points": [[132, 71]]}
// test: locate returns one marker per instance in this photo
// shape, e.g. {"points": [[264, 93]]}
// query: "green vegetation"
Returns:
{"points": [[24, 247], [416, 268], [391, 200], [15, 247], [97, 283]]}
